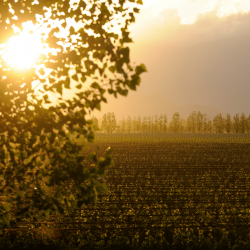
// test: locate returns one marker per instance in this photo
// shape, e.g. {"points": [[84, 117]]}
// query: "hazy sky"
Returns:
{"points": [[196, 52], [188, 10]]}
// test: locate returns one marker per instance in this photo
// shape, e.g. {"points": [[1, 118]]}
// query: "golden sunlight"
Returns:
{"points": [[22, 51]]}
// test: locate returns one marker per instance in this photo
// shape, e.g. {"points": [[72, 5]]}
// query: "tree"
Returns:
{"points": [[236, 124], [205, 122], [199, 121], [248, 124], [209, 125], [138, 124], [191, 122], [165, 122], [144, 124], [228, 123], [123, 125], [129, 124], [161, 123], [150, 124], [104, 122], [134, 124], [243, 121], [218, 123], [156, 124], [182, 124], [109, 122], [40, 138], [95, 123], [176, 122]]}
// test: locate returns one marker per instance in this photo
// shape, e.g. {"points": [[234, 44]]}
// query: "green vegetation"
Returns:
{"points": [[173, 137], [165, 190], [195, 123], [109, 123]]}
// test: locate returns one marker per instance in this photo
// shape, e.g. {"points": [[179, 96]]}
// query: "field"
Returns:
{"points": [[167, 182]]}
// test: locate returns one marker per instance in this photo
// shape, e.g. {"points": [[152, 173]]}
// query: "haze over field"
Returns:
{"points": [[196, 53]]}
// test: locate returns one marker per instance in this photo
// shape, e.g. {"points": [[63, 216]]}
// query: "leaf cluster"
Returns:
{"points": [[43, 166]]}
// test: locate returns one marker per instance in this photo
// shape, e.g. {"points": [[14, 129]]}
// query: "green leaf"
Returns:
{"points": [[64, 24], [83, 4], [75, 77], [95, 85], [134, 82], [92, 157], [98, 106], [112, 69], [58, 87], [136, 10], [67, 83], [83, 79], [79, 86], [140, 69]]}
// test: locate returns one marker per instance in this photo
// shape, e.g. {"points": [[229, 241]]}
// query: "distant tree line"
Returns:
{"points": [[195, 123]]}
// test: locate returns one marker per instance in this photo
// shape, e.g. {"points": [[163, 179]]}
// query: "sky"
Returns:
{"points": [[189, 10], [196, 52]]}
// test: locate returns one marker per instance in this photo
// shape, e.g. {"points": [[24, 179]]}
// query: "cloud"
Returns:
{"points": [[168, 30], [203, 63]]}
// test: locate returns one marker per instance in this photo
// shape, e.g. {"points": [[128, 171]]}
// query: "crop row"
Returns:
{"points": [[153, 186]]}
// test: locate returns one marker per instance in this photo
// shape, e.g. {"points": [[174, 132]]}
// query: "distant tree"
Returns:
{"points": [[218, 123], [129, 124], [161, 123], [144, 124], [95, 124], [236, 124], [205, 123], [191, 122], [165, 122], [182, 123], [109, 122], [150, 124], [209, 125], [243, 121], [138, 124], [156, 124], [176, 122], [215, 121], [199, 121], [104, 122], [134, 124], [228, 123], [123, 126], [248, 124]]}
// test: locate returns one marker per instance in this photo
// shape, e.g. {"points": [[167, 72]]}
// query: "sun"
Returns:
{"points": [[22, 51]]}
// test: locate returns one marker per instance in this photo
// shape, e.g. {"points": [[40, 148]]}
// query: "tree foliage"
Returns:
{"points": [[236, 124], [176, 124], [218, 123], [42, 157], [109, 123]]}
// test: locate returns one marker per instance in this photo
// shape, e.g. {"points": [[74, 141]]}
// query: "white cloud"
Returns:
{"points": [[205, 62], [189, 10]]}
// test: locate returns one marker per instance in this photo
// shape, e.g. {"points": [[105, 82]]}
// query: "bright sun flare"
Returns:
{"points": [[22, 51]]}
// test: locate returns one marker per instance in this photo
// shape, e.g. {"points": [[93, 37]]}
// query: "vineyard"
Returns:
{"points": [[163, 183]]}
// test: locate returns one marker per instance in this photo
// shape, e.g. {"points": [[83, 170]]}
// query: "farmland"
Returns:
{"points": [[166, 182]]}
